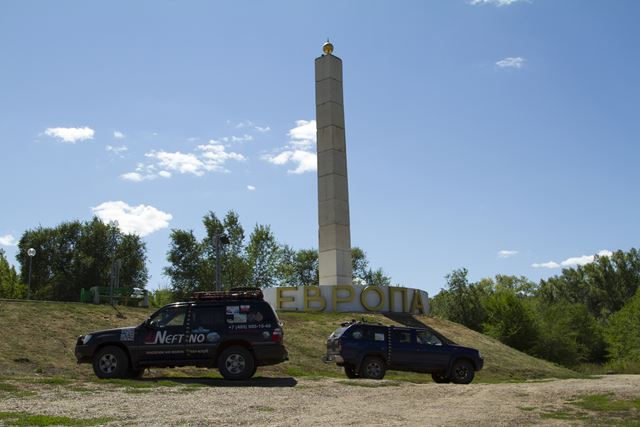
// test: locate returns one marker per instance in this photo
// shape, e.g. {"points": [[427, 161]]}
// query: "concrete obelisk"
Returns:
{"points": [[333, 190]]}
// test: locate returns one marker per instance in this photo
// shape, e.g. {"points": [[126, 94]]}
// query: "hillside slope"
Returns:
{"points": [[39, 338]]}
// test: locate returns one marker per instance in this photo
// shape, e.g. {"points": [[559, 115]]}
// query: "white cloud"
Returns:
{"points": [[248, 124], [141, 220], [177, 161], [300, 151], [118, 135], [118, 151], [7, 240], [496, 2], [210, 157], [584, 259], [549, 264], [251, 188], [573, 261], [511, 62], [304, 134], [70, 135], [214, 156], [506, 253]]}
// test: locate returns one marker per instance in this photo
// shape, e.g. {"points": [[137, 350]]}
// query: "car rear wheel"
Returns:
{"points": [[462, 372], [111, 362], [350, 371], [440, 378], [372, 367], [236, 363]]}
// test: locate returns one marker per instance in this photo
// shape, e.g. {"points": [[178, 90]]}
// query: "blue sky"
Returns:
{"points": [[473, 127]]}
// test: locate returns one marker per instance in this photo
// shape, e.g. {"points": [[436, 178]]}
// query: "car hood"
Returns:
{"points": [[115, 331]]}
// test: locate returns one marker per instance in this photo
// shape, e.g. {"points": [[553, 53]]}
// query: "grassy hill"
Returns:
{"points": [[39, 338]]}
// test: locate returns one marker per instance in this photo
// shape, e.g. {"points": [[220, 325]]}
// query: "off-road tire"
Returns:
{"points": [[111, 362], [236, 363], [462, 372], [372, 367], [440, 378], [350, 371]]}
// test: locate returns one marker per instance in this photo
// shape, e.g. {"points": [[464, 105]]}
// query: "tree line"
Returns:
{"points": [[75, 255], [587, 314]]}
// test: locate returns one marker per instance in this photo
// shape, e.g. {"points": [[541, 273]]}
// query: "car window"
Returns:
{"points": [[172, 316], [402, 337], [357, 334], [427, 338], [207, 318], [338, 332]]}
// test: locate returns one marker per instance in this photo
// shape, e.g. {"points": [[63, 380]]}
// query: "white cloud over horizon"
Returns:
{"points": [[506, 253], [511, 62], [141, 220], [251, 188], [573, 261], [8, 240], [300, 151], [118, 135], [70, 135]]}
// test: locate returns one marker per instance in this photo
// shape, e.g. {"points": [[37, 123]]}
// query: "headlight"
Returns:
{"points": [[85, 339]]}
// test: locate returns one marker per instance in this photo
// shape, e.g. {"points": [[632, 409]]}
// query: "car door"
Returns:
{"points": [[434, 355], [205, 327], [162, 336], [403, 349]]}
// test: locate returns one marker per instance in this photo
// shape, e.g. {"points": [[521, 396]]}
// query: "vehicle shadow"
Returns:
{"points": [[267, 382]]}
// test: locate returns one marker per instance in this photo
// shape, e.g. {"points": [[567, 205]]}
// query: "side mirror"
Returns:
{"points": [[148, 324]]}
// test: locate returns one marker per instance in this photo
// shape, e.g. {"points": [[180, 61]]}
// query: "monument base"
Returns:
{"points": [[348, 298]]}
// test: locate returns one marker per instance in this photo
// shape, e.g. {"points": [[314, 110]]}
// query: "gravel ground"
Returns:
{"points": [[302, 402]]}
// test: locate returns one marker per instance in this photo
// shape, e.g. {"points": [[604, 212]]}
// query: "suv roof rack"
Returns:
{"points": [[230, 294], [363, 321]]}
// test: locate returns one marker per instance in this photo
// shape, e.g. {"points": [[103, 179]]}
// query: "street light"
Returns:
{"points": [[31, 252]]}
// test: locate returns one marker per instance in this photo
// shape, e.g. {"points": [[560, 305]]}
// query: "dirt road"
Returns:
{"points": [[302, 402]]}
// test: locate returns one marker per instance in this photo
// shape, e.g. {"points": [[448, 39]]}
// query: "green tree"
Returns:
{"points": [[10, 285], [603, 286], [263, 256], [623, 331], [460, 302], [510, 320], [75, 255], [298, 268], [186, 269]]}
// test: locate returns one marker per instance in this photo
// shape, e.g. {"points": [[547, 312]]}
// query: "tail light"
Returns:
{"points": [[276, 335]]}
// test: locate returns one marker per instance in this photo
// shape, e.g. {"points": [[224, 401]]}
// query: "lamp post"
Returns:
{"points": [[220, 239], [31, 252]]}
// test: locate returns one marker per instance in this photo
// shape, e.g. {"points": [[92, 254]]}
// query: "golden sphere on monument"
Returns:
{"points": [[327, 48]]}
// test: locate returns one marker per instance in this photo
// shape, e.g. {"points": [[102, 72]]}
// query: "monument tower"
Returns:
{"points": [[333, 191]]}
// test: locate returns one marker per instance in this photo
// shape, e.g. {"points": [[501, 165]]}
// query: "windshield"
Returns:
{"points": [[338, 332]]}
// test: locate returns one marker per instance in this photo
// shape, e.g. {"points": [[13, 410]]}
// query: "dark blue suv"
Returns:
{"points": [[368, 350]]}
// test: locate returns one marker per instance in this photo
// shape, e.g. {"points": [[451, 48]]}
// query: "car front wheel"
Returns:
{"points": [[462, 372], [236, 363], [350, 371], [111, 362], [440, 378], [372, 367]]}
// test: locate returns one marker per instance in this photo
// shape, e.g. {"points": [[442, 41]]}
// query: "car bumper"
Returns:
{"points": [[84, 353], [270, 354]]}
